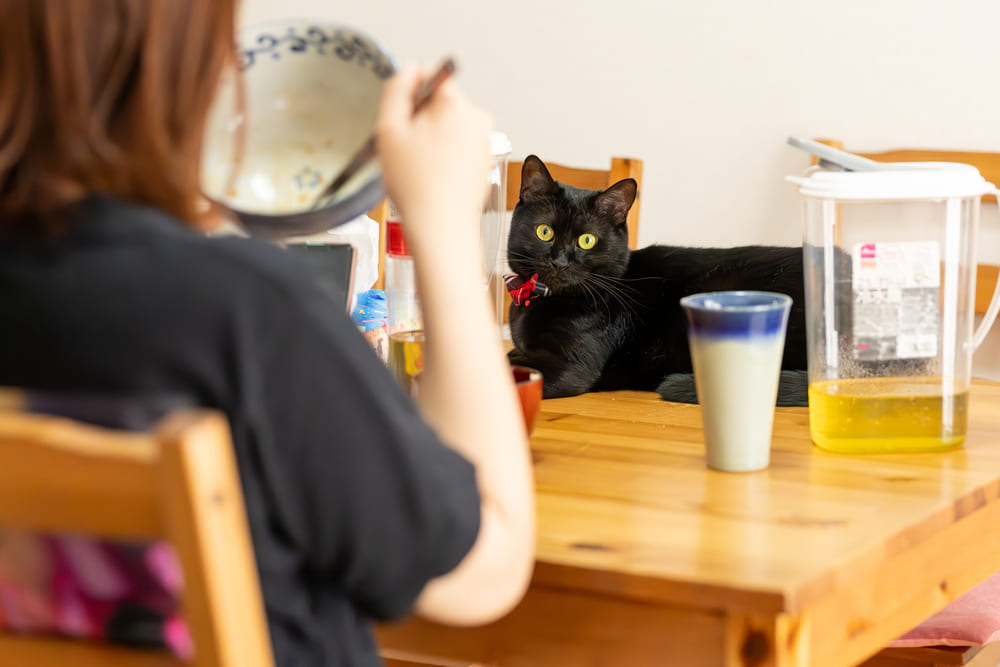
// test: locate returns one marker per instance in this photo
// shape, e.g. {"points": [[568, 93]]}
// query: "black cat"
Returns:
{"points": [[605, 317]]}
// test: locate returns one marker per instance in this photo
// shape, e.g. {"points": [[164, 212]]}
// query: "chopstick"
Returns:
{"points": [[368, 150]]}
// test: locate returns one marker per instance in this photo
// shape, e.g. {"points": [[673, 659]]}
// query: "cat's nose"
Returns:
{"points": [[560, 262]]}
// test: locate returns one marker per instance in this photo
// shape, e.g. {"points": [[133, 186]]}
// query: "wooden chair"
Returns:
{"points": [[591, 179], [177, 483], [988, 165]]}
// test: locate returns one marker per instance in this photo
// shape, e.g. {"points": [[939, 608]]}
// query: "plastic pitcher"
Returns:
{"points": [[890, 271]]}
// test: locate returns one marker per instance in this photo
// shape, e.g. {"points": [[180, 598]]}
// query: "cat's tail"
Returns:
{"points": [[793, 389]]}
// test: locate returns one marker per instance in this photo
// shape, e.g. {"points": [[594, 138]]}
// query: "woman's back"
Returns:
{"points": [[345, 497]]}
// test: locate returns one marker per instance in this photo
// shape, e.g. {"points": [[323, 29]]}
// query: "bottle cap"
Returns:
{"points": [[395, 241]]}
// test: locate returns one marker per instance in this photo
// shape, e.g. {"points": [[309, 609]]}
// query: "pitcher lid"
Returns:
{"points": [[499, 144], [913, 180]]}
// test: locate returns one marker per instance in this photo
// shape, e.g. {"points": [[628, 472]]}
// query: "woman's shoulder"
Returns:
{"points": [[252, 271], [228, 261], [254, 259], [113, 240]]}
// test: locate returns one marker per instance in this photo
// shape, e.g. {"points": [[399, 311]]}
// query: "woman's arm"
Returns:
{"points": [[435, 168]]}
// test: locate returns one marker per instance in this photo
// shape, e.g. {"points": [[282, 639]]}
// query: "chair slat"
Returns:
{"points": [[986, 282], [60, 476], [204, 509], [621, 168], [590, 179]]}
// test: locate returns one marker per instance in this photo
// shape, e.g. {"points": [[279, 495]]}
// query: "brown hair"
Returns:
{"points": [[107, 96]]}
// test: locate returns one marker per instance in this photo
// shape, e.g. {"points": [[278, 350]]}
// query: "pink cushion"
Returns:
{"points": [[92, 589], [970, 620]]}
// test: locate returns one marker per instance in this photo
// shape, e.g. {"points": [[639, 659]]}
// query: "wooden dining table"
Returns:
{"points": [[647, 557]]}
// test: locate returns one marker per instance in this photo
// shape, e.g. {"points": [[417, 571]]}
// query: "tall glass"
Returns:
{"points": [[737, 340]]}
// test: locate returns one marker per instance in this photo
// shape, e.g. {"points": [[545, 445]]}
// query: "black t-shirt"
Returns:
{"points": [[353, 501]]}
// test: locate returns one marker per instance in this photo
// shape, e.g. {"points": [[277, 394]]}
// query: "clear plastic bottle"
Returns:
{"points": [[406, 328]]}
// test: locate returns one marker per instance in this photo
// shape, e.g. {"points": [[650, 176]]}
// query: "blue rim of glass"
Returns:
{"points": [[768, 301]]}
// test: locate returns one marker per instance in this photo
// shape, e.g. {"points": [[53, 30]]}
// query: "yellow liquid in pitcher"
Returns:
{"points": [[875, 415]]}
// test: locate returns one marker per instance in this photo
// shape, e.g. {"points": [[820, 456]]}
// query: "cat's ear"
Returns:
{"points": [[536, 183], [614, 203]]}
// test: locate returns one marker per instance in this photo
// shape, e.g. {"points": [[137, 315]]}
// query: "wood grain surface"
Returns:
{"points": [[820, 559]]}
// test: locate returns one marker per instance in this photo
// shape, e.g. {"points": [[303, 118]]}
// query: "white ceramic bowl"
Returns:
{"points": [[311, 96]]}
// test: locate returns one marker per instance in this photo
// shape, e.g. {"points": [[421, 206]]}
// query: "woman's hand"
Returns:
{"points": [[435, 167], [442, 150]]}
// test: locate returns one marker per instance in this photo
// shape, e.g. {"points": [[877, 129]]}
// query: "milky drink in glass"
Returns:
{"points": [[737, 340]]}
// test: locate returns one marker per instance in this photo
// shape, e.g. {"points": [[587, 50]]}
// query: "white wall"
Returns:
{"points": [[706, 91]]}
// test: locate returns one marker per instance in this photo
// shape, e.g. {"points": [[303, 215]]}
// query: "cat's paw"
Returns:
{"points": [[793, 389], [678, 388], [517, 358]]}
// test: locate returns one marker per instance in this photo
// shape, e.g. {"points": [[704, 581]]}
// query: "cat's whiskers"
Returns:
{"points": [[511, 255], [617, 283], [611, 285], [632, 280], [591, 294], [596, 294], [605, 286]]}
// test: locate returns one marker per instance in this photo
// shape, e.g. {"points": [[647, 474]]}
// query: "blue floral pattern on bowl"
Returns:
{"points": [[343, 43]]}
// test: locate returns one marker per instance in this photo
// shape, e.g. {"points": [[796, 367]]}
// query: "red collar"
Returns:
{"points": [[523, 291]]}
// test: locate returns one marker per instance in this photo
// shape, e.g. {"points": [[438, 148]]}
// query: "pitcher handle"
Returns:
{"points": [[991, 313]]}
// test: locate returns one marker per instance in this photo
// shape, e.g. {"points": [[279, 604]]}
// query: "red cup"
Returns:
{"points": [[529, 392]]}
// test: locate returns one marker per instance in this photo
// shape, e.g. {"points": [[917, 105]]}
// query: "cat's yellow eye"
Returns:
{"points": [[587, 241], [544, 232]]}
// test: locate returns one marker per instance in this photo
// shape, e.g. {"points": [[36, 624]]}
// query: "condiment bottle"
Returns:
{"points": [[406, 329]]}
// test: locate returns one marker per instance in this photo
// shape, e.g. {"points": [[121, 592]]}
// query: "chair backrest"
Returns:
{"points": [[177, 483], [988, 165], [591, 179]]}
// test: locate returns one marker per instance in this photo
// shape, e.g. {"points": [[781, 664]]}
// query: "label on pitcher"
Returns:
{"points": [[896, 291]]}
